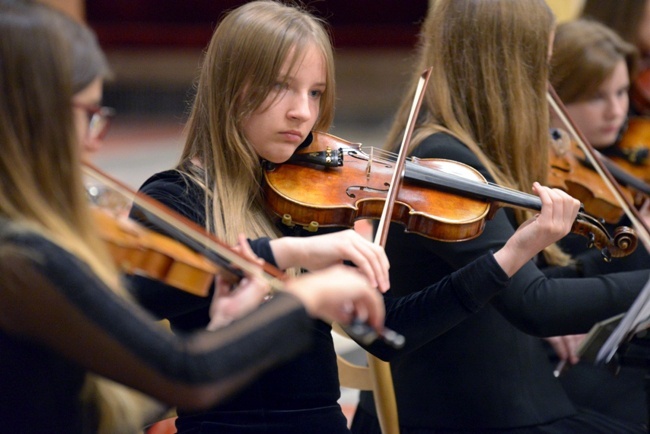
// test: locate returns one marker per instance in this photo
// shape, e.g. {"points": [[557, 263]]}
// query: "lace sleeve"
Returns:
{"points": [[49, 297]]}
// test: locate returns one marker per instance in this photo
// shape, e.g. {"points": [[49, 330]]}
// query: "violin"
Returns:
{"points": [[600, 166], [439, 199], [632, 151], [188, 257], [138, 250], [569, 172]]}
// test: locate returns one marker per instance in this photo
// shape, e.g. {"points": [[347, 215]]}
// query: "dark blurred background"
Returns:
{"points": [[155, 49]]}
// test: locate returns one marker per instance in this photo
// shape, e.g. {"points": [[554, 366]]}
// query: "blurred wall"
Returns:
{"points": [[155, 48], [75, 8]]}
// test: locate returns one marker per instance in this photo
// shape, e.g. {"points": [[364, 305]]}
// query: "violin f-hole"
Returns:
{"points": [[350, 194]]}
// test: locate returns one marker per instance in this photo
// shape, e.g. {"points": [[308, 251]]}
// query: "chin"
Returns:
{"points": [[279, 159]]}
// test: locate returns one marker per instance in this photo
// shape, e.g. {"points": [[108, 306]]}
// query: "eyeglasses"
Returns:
{"points": [[99, 118]]}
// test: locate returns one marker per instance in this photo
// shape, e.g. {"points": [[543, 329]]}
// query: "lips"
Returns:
{"points": [[293, 136]]}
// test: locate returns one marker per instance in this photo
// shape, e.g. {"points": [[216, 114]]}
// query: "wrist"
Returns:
{"points": [[287, 252], [510, 259]]}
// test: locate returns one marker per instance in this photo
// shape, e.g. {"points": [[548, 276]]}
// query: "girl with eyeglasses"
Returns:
{"points": [[67, 323]]}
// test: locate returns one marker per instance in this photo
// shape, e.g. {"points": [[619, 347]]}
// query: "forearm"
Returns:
{"points": [[288, 252], [511, 258]]}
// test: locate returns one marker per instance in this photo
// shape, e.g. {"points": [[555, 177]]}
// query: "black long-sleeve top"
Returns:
{"points": [[58, 321], [489, 371], [311, 381]]}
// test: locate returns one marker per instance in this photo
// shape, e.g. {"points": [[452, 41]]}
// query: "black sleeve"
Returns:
{"points": [[50, 298], [534, 303], [427, 314]]}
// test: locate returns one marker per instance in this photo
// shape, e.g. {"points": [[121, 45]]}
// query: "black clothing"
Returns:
{"points": [[300, 396], [488, 371], [58, 321]]}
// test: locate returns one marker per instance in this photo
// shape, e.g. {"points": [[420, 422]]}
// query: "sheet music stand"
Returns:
{"points": [[623, 340]]}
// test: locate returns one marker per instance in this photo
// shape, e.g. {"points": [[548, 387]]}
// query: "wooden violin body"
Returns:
{"points": [[137, 250], [333, 182], [635, 145], [335, 196], [569, 173]]}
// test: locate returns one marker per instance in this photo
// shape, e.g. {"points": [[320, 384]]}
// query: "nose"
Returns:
{"points": [[617, 106], [300, 108]]}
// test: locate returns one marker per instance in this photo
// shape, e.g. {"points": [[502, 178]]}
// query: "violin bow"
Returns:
{"points": [[385, 402], [223, 255], [633, 214]]}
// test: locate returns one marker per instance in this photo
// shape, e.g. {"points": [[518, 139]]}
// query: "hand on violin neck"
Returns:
{"points": [[559, 211], [320, 251]]}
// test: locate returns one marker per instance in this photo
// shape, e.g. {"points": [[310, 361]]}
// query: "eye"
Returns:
{"points": [[316, 93]]}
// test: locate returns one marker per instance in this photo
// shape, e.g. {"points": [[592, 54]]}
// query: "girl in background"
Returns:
{"points": [[486, 107]]}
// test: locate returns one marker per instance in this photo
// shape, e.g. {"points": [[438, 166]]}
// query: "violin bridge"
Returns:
{"points": [[369, 165]]}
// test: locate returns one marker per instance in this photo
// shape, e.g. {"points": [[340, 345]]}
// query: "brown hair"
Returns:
{"points": [[41, 187], [585, 54], [489, 61], [622, 16]]}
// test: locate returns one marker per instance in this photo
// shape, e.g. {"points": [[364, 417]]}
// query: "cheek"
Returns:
{"points": [[582, 114]]}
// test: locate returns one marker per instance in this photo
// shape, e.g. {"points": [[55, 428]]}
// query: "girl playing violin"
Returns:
{"points": [[592, 68], [486, 107], [267, 80], [65, 317]]}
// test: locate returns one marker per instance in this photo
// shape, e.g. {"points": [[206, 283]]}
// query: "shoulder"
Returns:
{"points": [[175, 190], [16, 238], [443, 145], [19, 245], [170, 181]]}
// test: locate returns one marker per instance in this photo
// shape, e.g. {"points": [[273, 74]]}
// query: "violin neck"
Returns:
{"points": [[472, 189]]}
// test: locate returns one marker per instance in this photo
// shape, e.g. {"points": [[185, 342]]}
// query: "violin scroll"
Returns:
{"points": [[622, 243]]}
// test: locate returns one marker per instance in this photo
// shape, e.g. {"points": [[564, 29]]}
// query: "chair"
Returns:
{"points": [[165, 425], [375, 377]]}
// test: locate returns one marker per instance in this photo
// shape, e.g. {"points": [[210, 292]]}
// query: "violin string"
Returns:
{"points": [[387, 157]]}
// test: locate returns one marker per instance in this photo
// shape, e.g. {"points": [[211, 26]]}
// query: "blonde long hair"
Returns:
{"points": [[41, 177], [488, 87], [41, 186], [240, 68]]}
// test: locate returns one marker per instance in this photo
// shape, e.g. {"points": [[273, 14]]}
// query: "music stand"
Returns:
{"points": [[623, 340]]}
